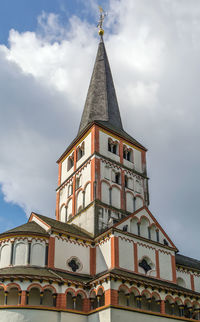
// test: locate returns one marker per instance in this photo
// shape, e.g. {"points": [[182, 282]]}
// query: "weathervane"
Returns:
{"points": [[101, 20]]}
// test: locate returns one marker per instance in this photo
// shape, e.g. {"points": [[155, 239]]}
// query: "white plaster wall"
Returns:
{"points": [[20, 253], [63, 195], [103, 146], [86, 174], [127, 316], [129, 202], [128, 164], [149, 253], [65, 249], [105, 193], [86, 220], [186, 277], [197, 283], [116, 197], [105, 171], [138, 203], [101, 316], [103, 256], [38, 253], [5, 255], [165, 266], [126, 258], [87, 146], [28, 315], [88, 194], [40, 223], [137, 160]]}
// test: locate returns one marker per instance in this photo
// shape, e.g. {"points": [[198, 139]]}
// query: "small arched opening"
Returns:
{"points": [[13, 296], [34, 296]]}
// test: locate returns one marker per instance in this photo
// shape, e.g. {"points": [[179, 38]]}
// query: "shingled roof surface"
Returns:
{"points": [[42, 273], [61, 226], [101, 102], [30, 227], [187, 261]]}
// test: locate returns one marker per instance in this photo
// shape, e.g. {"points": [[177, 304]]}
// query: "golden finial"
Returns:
{"points": [[101, 20]]}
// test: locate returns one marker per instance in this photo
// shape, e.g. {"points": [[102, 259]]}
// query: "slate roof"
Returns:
{"points": [[187, 262], [64, 227], [150, 280], [30, 227], [45, 273], [101, 101]]}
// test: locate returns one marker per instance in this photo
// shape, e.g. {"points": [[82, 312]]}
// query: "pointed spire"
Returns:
{"points": [[101, 102]]}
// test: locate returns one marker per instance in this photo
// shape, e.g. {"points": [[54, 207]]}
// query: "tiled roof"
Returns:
{"points": [[30, 227], [187, 262], [42, 273]]}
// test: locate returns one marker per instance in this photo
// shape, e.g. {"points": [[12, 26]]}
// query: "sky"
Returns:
{"points": [[47, 52]]}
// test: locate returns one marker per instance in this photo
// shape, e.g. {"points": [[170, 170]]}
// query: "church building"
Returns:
{"points": [[105, 258]]}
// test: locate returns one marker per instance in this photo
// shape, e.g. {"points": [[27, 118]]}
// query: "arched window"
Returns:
{"points": [[47, 298], [126, 181], [69, 300], [38, 254], [2, 296], [20, 254], [70, 189], [5, 255], [34, 296], [80, 151], [79, 302], [127, 153], [13, 296], [70, 162], [155, 304], [181, 282], [122, 298], [112, 146]]}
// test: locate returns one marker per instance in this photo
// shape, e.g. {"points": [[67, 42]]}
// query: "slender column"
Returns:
{"points": [[74, 302], [127, 299], [149, 304], [114, 252], [19, 297], [138, 301], [157, 264], [23, 298], [98, 300], [6, 298], [92, 303], [51, 253], [46, 254], [162, 307], [27, 297], [41, 297], [172, 308], [12, 253], [190, 312], [123, 199], [135, 257], [54, 299], [181, 310], [29, 253]]}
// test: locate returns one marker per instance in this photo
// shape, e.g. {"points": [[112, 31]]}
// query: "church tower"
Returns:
{"points": [[102, 174], [105, 257]]}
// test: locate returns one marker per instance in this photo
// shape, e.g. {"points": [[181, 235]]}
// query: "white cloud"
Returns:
{"points": [[154, 54]]}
